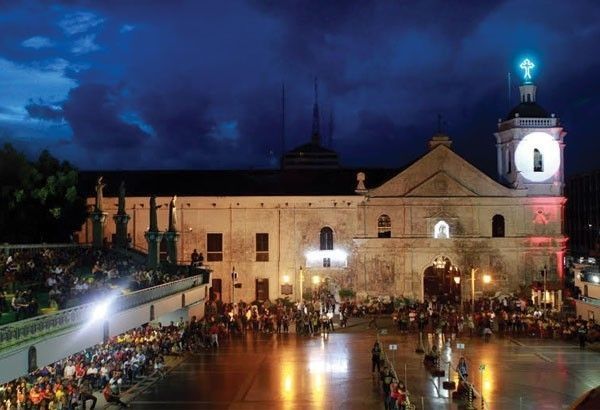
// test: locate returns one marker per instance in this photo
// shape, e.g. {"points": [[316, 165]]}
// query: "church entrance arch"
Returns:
{"points": [[441, 281]]}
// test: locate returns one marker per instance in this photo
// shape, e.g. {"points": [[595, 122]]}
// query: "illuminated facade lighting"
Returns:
{"points": [[338, 258]]}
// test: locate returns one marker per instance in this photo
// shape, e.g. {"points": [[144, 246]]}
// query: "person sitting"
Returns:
{"points": [[86, 393], [195, 257], [111, 394]]}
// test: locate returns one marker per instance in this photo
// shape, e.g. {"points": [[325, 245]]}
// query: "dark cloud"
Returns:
{"points": [[44, 111], [93, 111], [197, 84]]}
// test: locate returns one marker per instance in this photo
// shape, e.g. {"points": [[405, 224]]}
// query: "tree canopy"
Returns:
{"points": [[39, 201]]}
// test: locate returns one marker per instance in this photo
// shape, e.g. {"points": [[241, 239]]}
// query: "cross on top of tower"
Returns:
{"points": [[527, 66]]}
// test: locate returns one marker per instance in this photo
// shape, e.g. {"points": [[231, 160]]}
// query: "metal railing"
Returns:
{"points": [[9, 247], [589, 300], [22, 330]]}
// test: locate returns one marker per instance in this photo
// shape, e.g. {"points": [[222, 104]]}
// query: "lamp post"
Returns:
{"points": [[473, 270], [486, 278], [457, 281], [545, 272], [301, 284]]}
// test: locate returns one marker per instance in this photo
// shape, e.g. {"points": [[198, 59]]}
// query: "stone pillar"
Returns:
{"points": [[98, 222], [121, 221], [153, 238], [172, 237]]}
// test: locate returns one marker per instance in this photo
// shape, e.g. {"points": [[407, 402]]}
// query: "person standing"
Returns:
{"points": [[462, 368], [582, 335], [214, 335], [376, 357]]}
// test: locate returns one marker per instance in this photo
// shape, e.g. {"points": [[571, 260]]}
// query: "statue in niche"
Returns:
{"points": [[441, 230], [173, 214], [99, 193], [121, 202]]}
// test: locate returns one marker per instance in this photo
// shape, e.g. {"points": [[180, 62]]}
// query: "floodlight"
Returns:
{"points": [[100, 311]]}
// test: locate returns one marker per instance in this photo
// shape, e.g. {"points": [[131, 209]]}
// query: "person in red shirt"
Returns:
{"points": [[214, 335], [35, 395], [48, 394], [80, 371]]}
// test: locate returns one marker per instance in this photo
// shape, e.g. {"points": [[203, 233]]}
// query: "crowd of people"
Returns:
{"points": [[107, 368], [70, 276], [490, 317]]}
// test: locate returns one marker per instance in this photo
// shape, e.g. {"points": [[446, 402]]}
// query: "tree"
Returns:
{"points": [[39, 201]]}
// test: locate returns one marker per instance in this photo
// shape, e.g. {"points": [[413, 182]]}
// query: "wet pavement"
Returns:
{"points": [[334, 372]]}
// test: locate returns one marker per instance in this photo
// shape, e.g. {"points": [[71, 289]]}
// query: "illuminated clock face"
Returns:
{"points": [[537, 156]]}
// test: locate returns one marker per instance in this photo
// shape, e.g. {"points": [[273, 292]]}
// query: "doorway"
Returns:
{"points": [[441, 281], [216, 289], [262, 289]]}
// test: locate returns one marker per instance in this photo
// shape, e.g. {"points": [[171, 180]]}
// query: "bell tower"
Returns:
{"points": [[529, 144]]}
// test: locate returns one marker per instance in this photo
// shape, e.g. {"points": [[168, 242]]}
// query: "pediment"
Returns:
{"points": [[442, 172], [440, 184]]}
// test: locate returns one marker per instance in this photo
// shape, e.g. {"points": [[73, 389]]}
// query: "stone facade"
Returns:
{"points": [[440, 186]]}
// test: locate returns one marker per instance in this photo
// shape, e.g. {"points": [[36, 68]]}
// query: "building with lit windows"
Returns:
{"points": [[420, 231]]}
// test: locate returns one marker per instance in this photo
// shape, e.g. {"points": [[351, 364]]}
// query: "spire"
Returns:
{"points": [[316, 126]]}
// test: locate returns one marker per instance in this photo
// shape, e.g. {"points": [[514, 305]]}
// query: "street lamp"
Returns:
{"points": [[486, 278], [301, 284]]}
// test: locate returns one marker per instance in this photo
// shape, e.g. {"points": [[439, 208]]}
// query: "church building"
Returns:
{"points": [[439, 227]]}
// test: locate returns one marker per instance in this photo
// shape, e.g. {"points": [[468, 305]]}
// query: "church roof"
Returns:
{"points": [[528, 110], [311, 147], [295, 182]]}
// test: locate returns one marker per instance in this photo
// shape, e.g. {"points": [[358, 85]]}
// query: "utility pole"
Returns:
{"points": [[473, 290], [233, 282], [545, 272], [301, 285]]}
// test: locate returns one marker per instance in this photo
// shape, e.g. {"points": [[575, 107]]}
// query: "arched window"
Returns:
{"points": [[326, 239], [498, 226], [441, 230], [538, 161], [384, 227]]}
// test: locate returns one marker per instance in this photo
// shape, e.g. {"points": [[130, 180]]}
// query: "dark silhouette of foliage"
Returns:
{"points": [[39, 201]]}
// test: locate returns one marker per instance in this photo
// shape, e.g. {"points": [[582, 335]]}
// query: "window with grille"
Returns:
{"points": [[384, 227], [262, 247], [214, 247]]}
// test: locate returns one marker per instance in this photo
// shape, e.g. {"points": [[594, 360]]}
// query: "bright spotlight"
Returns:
{"points": [[596, 279], [100, 311], [487, 278]]}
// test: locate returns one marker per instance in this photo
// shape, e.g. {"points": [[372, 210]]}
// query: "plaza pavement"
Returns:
{"points": [[333, 372]]}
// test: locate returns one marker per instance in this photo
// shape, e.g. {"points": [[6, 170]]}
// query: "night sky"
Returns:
{"points": [[197, 84]]}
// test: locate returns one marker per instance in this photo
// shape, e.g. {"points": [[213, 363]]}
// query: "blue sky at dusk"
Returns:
{"points": [[197, 84]]}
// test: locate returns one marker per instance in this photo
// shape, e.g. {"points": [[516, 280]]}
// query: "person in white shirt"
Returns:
{"points": [[69, 371]]}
